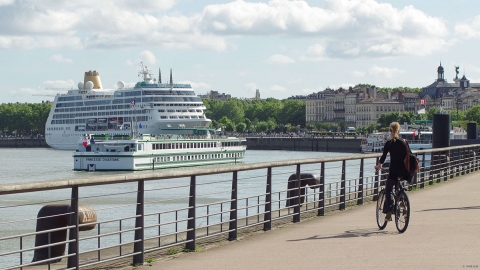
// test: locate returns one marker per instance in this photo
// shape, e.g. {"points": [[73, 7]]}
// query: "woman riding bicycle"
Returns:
{"points": [[396, 147]]}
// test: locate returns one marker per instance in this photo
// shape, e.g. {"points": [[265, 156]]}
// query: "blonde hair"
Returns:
{"points": [[394, 130]]}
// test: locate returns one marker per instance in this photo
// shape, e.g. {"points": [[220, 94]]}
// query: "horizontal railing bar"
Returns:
{"points": [[117, 245], [167, 200], [168, 245], [163, 175], [216, 213], [169, 234], [107, 234], [213, 234], [168, 211], [35, 233], [37, 247], [214, 203], [110, 259], [39, 262], [168, 223]]}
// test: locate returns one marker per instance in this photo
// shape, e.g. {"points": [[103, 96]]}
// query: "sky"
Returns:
{"points": [[283, 48]]}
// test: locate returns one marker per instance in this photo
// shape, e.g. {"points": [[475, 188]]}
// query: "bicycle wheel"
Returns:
{"points": [[381, 222], [402, 212]]}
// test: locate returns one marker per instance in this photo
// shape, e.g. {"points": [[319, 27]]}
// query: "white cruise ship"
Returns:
{"points": [[150, 107]]}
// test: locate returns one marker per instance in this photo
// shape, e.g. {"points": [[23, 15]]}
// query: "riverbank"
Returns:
{"points": [[22, 143], [320, 144]]}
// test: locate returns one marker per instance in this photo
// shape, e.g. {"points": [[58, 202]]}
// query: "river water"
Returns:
{"points": [[21, 165], [38, 164]]}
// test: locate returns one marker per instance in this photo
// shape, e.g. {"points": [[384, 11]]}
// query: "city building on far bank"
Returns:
{"points": [[361, 106]]}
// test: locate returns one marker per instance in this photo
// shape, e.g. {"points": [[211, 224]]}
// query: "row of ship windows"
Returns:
{"points": [[128, 101], [73, 115], [130, 94], [116, 107], [197, 157], [159, 146], [171, 110], [83, 121], [181, 117], [58, 128]]}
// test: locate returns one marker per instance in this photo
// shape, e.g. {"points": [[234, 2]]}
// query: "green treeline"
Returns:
{"points": [[23, 119], [236, 115]]}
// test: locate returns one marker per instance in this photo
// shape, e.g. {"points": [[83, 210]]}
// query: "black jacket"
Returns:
{"points": [[397, 150]]}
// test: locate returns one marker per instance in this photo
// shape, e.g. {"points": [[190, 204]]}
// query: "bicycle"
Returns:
{"points": [[401, 209]]}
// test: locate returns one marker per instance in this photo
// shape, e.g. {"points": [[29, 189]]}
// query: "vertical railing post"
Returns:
{"points": [[296, 208], [267, 225], [73, 247], [191, 215], [376, 182], [139, 245], [360, 184], [321, 202], [422, 172], [457, 162], [342, 187], [232, 235]]}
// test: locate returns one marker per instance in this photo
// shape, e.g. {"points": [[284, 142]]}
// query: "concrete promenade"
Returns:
{"points": [[444, 233]]}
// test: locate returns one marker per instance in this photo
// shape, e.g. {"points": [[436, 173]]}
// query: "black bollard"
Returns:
{"points": [[441, 131], [472, 131], [305, 179], [441, 139], [55, 216]]}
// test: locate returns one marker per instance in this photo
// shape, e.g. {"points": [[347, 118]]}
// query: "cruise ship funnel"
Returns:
{"points": [[94, 77]]}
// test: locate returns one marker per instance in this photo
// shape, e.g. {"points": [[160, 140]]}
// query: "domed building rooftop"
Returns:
{"points": [[440, 68]]}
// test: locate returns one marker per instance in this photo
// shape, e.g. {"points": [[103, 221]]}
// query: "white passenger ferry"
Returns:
{"points": [[195, 147], [155, 107], [374, 142]]}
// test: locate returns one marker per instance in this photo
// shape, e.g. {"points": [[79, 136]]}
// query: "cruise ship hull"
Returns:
{"points": [[147, 108]]}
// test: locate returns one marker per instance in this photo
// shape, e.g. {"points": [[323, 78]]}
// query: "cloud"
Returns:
{"points": [[358, 74], [348, 27], [60, 59], [59, 84], [6, 2], [342, 85], [385, 72], [278, 58], [252, 86], [278, 88], [198, 86], [315, 52], [469, 28], [147, 57], [341, 28]]}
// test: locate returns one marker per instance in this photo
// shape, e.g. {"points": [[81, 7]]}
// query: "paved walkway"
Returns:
{"points": [[444, 233]]}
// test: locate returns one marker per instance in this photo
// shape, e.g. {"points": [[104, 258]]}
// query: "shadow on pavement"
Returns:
{"points": [[348, 234]]}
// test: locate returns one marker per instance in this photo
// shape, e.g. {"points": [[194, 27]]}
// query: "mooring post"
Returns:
{"points": [[139, 245], [191, 215]]}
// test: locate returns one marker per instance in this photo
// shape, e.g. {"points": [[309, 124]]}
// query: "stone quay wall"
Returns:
{"points": [[337, 144], [22, 143]]}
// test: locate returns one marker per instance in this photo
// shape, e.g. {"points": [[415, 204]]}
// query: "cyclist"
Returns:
{"points": [[396, 147]]}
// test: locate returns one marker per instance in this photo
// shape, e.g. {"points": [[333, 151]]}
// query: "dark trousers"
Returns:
{"points": [[388, 204]]}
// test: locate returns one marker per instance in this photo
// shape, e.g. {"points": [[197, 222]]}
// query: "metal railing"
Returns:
{"points": [[167, 211]]}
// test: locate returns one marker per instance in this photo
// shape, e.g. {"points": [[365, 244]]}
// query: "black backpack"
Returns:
{"points": [[411, 164]]}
